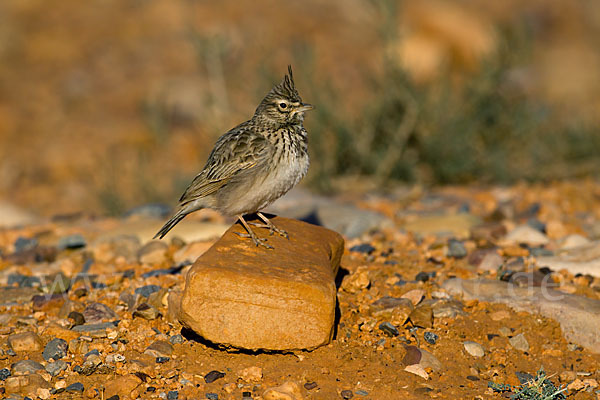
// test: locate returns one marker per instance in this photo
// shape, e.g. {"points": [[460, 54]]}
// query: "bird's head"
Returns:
{"points": [[283, 105]]}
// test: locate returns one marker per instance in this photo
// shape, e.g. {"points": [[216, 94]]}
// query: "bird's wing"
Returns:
{"points": [[238, 150]]}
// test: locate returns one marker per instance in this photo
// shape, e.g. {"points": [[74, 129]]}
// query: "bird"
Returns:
{"points": [[253, 164]]}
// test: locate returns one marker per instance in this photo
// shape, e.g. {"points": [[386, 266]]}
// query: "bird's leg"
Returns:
{"points": [[257, 241], [271, 226]]}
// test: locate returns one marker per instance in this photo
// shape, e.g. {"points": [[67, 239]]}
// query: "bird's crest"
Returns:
{"points": [[286, 88]]}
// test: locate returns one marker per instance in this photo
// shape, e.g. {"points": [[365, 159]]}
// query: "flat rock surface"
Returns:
{"points": [[579, 316], [583, 259], [245, 296]]}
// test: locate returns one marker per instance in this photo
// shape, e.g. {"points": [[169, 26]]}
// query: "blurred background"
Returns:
{"points": [[108, 104]]}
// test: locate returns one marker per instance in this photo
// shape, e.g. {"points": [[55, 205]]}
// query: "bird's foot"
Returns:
{"points": [[272, 229], [257, 241]]}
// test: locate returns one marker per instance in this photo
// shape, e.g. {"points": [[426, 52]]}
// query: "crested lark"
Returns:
{"points": [[253, 164]]}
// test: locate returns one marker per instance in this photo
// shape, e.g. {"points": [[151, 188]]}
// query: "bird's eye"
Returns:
{"points": [[282, 106]]}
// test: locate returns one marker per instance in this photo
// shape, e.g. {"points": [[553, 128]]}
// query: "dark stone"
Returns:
{"points": [[146, 311], [147, 290], [162, 360], [212, 396], [389, 329], [71, 242], [75, 387], [346, 394], [456, 249], [128, 274], [413, 355], [78, 369], [98, 312], [115, 397], [172, 395], [430, 337], [523, 377], [55, 349], [423, 390], [151, 389], [4, 373], [213, 376], [363, 248], [24, 281], [310, 385], [56, 367], [77, 318], [22, 244], [176, 339], [94, 352], [491, 336], [99, 285], [472, 378], [424, 276], [165, 271]]}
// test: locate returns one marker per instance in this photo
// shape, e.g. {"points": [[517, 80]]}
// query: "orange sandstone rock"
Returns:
{"points": [[244, 296]]}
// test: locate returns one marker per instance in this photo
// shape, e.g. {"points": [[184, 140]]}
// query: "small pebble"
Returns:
{"points": [[75, 387], [212, 396], [430, 337], [77, 318], [56, 367], [456, 249], [519, 342], [389, 329], [362, 392], [150, 389], [347, 394], [55, 349], [176, 339], [146, 311], [424, 276], [310, 385], [115, 397], [92, 352], [172, 395], [162, 360], [147, 290], [474, 349], [71, 242], [4, 373], [23, 244], [363, 248], [213, 376], [523, 377]]}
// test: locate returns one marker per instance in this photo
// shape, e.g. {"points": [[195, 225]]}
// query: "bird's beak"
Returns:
{"points": [[304, 107]]}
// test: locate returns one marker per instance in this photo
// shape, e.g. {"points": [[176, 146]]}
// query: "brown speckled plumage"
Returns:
{"points": [[254, 163]]}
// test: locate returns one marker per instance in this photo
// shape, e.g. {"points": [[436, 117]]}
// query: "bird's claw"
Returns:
{"points": [[257, 241]]}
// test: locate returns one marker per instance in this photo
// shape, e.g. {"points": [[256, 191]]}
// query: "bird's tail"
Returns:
{"points": [[179, 215]]}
